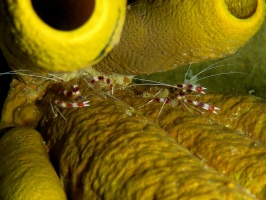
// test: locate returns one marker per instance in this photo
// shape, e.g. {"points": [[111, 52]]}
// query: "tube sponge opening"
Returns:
{"points": [[241, 9], [64, 15]]}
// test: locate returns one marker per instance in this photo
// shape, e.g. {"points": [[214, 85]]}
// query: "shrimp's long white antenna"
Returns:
{"points": [[52, 109], [56, 76], [187, 108], [90, 85], [201, 112], [224, 74], [20, 72], [147, 80], [157, 83], [60, 113], [186, 73], [217, 66], [161, 108], [43, 77], [11, 72], [158, 93], [212, 67], [17, 72], [218, 63], [101, 92]]}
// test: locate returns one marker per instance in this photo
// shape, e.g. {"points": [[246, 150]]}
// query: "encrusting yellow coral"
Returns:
{"points": [[113, 150]]}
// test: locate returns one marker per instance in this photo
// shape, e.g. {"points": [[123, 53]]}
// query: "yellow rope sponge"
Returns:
{"points": [[25, 170], [109, 150], [59, 35], [244, 114], [232, 154], [161, 35]]}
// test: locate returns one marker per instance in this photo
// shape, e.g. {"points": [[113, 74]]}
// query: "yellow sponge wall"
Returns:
{"points": [[25, 170], [59, 36], [161, 35]]}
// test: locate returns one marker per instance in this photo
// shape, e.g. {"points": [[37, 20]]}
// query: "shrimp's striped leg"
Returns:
{"points": [[76, 92], [190, 87], [64, 104], [160, 100], [205, 106], [72, 93], [102, 78]]}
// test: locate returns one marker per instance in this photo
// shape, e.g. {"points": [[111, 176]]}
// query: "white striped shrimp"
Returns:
{"points": [[103, 79], [65, 104], [180, 94], [71, 98], [70, 94], [63, 93], [218, 77], [66, 97]]}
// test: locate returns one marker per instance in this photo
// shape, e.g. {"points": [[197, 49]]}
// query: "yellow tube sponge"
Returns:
{"points": [[162, 35], [59, 35], [25, 170]]}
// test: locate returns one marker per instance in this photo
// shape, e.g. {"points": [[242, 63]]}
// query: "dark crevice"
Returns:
{"points": [[130, 1], [64, 14], [5, 80]]}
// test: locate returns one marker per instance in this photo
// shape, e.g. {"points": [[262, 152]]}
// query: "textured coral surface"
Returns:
{"points": [[122, 148]]}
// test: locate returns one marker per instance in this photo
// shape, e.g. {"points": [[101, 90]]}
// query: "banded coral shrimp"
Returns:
{"points": [[65, 94], [76, 94], [187, 92]]}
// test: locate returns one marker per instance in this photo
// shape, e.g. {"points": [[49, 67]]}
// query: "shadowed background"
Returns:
{"points": [[5, 80]]}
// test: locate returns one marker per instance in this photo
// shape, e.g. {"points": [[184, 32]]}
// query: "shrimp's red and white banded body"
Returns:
{"points": [[160, 100], [190, 87], [64, 104], [205, 106], [181, 93], [102, 78], [71, 93], [76, 92], [181, 98]]}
